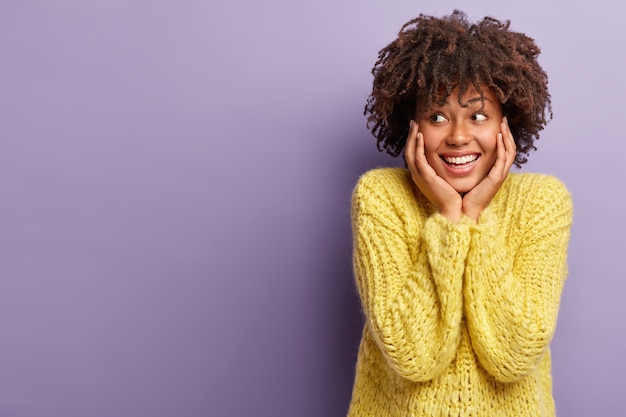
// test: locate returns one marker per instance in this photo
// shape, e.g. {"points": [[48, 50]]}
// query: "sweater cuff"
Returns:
{"points": [[447, 243], [486, 225]]}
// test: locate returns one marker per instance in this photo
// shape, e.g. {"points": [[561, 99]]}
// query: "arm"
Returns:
{"points": [[512, 299], [410, 282]]}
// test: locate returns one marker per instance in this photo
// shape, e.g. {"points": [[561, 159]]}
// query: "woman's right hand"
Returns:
{"points": [[436, 189]]}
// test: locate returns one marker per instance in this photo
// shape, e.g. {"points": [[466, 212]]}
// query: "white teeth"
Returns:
{"points": [[460, 160]]}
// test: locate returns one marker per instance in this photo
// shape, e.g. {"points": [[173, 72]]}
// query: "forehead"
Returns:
{"points": [[471, 96]]}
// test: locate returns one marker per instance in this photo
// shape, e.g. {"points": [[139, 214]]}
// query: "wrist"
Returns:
{"points": [[452, 214], [472, 211]]}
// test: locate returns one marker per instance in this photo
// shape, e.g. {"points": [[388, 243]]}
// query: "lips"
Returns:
{"points": [[460, 161]]}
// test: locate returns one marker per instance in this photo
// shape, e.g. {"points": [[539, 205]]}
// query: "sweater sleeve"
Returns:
{"points": [[512, 296], [410, 284]]}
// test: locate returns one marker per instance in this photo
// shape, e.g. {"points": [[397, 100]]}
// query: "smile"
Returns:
{"points": [[460, 161]]}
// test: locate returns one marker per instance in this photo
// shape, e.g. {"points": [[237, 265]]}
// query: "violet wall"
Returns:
{"points": [[174, 201]]}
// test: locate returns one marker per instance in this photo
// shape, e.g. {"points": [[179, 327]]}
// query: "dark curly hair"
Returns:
{"points": [[432, 56]]}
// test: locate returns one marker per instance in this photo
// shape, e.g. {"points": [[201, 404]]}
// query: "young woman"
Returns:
{"points": [[459, 264]]}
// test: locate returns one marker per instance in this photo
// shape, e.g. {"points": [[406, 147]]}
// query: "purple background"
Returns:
{"points": [[175, 181]]}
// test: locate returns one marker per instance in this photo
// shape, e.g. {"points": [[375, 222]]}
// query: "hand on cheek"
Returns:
{"points": [[435, 188], [477, 199]]}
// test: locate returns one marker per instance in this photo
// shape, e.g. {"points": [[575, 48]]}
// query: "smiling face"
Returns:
{"points": [[460, 142]]}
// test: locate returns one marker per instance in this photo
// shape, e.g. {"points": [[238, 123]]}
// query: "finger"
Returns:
{"points": [[508, 135], [420, 155], [409, 150], [418, 146], [499, 167], [507, 128], [509, 141], [508, 149]]}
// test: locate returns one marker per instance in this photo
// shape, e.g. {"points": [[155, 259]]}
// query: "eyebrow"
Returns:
{"points": [[473, 100], [476, 99]]}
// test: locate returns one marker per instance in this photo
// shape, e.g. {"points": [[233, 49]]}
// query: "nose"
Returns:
{"points": [[459, 135]]}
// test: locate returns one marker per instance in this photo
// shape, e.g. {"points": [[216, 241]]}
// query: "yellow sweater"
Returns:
{"points": [[459, 317]]}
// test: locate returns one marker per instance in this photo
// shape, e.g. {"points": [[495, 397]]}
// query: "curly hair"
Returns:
{"points": [[432, 56]]}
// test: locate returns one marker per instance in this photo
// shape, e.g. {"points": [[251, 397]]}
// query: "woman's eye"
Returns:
{"points": [[437, 118], [479, 117]]}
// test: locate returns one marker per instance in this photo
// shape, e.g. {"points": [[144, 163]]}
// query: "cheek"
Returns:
{"points": [[430, 149], [430, 143], [489, 142]]}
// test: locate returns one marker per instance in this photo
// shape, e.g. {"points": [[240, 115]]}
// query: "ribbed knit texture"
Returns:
{"points": [[459, 317]]}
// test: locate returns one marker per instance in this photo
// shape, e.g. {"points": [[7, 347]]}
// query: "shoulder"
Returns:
{"points": [[384, 190], [384, 177], [537, 185], [538, 193], [384, 181]]}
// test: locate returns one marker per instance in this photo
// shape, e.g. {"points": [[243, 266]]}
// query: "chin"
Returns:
{"points": [[463, 187]]}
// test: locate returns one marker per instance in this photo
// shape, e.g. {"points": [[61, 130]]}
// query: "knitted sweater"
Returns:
{"points": [[459, 317]]}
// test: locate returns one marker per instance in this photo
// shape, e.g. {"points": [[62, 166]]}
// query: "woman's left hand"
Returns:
{"points": [[477, 199]]}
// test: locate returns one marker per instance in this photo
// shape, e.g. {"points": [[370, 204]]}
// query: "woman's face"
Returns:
{"points": [[460, 142]]}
